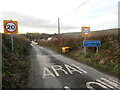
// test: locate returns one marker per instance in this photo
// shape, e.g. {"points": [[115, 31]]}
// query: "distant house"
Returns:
{"points": [[34, 40], [51, 39], [43, 40], [54, 39]]}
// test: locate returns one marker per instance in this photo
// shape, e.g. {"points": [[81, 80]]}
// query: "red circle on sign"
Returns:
{"points": [[88, 31], [10, 31]]}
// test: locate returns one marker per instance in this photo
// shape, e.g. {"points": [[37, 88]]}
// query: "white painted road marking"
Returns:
{"points": [[111, 83], [107, 84], [104, 83], [72, 69], [79, 68], [56, 68], [47, 72], [100, 83], [88, 85], [67, 88], [117, 82]]}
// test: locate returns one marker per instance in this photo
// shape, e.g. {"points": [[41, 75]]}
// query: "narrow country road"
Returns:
{"points": [[53, 70]]}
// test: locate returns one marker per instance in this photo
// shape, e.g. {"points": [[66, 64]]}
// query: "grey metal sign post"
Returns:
{"points": [[85, 52], [12, 42], [97, 50]]}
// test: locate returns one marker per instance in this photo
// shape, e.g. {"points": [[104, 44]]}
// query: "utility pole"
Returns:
{"points": [[59, 42], [58, 28], [59, 37]]}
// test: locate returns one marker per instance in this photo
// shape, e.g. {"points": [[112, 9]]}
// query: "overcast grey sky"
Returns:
{"points": [[41, 15]]}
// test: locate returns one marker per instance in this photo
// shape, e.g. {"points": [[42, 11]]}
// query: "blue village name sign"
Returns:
{"points": [[92, 43]]}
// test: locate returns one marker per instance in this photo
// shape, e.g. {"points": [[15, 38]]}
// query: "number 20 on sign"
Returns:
{"points": [[10, 27]]}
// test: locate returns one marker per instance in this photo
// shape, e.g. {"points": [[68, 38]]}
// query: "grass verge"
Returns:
{"points": [[16, 66]]}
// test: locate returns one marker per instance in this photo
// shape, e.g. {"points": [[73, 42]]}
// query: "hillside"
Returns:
{"points": [[93, 33]]}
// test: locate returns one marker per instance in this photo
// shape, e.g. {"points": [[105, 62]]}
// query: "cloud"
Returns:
{"points": [[31, 22]]}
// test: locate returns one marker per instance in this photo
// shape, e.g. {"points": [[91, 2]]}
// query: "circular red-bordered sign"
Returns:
{"points": [[10, 27], [85, 31]]}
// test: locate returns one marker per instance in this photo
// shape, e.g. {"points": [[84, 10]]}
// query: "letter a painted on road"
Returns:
{"points": [[47, 72]]}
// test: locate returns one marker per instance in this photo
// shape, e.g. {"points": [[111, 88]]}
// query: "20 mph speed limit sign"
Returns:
{"points": [[85, 31], [10, 27]]}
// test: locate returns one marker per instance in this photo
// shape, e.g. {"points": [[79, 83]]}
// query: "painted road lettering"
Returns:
{"points": [[117, 82], [108, 84], [72, 69], [55, 68], [47, 72], [58, 68], [88, 84], [103, 83], [79, 68], [67, 88]]}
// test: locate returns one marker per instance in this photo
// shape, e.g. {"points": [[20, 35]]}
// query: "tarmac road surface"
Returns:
{"points": [[53, 70]]}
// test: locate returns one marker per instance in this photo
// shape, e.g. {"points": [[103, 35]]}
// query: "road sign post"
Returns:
{"points": [[85, 48], [97, 50], [12, 41], [10, 27], [85, 32], [92, 43]]}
